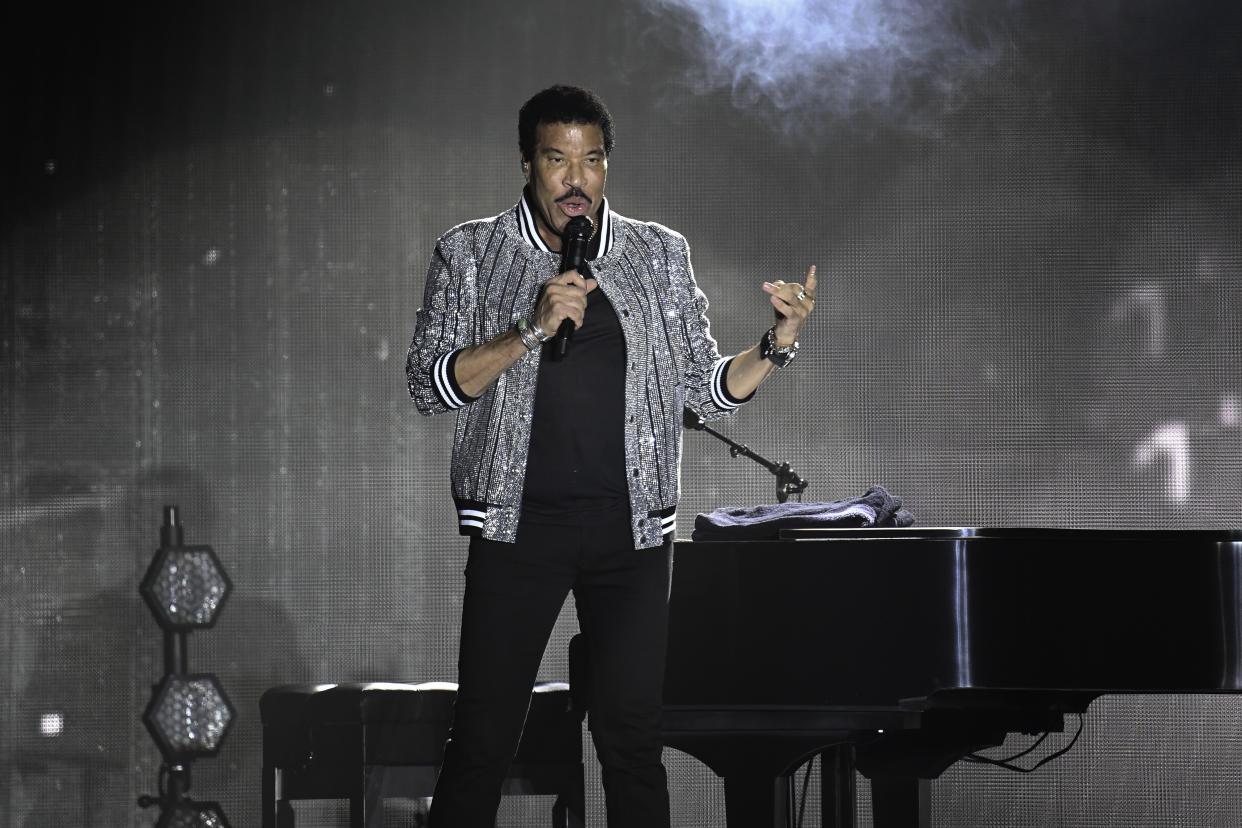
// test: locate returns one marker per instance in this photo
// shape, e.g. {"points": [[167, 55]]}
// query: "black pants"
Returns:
{"points": [[514, 593]]}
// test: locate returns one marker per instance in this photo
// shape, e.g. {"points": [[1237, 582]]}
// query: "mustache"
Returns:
{"points": [[574, 192]]}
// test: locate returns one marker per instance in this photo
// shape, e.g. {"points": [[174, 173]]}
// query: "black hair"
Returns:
{"points": [[562, 105]]}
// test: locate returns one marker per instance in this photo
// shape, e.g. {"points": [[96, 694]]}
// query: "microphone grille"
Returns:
{"points": [[579, 227]]}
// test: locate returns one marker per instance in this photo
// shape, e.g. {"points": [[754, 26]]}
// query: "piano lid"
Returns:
{"points": [[875, 616], [1224, 535]]}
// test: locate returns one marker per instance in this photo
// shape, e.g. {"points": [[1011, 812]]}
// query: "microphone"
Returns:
{"points": [[574, 240]]}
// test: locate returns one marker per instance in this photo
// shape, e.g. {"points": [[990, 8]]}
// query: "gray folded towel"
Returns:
{"points": [[874, 508]]}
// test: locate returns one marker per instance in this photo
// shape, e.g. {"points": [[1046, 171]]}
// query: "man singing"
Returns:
{"points": [[565, 472]]}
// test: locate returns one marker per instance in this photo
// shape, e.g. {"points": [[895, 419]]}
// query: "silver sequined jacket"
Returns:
{"points": [[486, 274]]}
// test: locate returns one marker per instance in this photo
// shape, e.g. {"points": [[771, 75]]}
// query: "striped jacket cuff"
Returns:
{"points": [[720, 387], [444, 381]]}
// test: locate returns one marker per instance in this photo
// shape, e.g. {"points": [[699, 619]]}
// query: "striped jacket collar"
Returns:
{"points": [[526, 224]]}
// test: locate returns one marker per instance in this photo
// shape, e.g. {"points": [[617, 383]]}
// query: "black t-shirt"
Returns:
{"points": [[575, 473]]}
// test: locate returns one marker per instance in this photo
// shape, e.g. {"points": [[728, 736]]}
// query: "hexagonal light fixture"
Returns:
{"points": [[188, 716], [191, 814], [185, 587]]}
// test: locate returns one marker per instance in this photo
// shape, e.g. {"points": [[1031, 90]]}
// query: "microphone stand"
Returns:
{"points": [[787, 482]]}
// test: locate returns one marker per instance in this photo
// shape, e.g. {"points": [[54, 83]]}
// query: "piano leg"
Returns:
{"points": [[836, 776], [900, 802], [754, 802]]}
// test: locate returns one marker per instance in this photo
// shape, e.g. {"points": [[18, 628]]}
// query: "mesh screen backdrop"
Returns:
{"points": [[217, 218]]}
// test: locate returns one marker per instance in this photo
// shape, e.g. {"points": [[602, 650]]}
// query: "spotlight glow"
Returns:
{"points": [[51, 724], [832, 56]]}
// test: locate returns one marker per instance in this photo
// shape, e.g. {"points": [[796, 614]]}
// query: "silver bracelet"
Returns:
{"points": [[540, 333], [532, 335], [778, 355]]}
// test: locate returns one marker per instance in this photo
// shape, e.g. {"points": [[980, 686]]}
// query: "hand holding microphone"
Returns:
{"points": [[575, 239]]}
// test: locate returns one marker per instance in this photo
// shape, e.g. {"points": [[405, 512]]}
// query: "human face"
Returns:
{"points": [[566, 176]]}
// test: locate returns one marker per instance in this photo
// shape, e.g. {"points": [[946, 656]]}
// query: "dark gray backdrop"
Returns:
{"points": [[216, 219]]}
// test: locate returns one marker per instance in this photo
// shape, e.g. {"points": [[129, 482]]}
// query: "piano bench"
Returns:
{"points": [[369, 741]]}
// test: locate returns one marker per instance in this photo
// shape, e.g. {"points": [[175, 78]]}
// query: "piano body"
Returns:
{"points": [[898, 651]]}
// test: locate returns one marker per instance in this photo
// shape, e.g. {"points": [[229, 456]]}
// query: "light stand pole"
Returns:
{"points": [[189, 714]]}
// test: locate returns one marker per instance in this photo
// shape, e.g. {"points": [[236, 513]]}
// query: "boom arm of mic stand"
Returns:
{"points": [[787, 482]]}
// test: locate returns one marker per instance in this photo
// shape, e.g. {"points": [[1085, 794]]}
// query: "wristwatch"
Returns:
{"points": [[779, 355], [532, 335]]}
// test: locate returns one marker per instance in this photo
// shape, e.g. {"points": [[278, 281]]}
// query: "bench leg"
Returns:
{"points": [[569, 810], [374, 782], [269, 797], [284, 814], [277, 813]]}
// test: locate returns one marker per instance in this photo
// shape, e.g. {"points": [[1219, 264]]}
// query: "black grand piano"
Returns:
{"points": [[898, 651]]}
